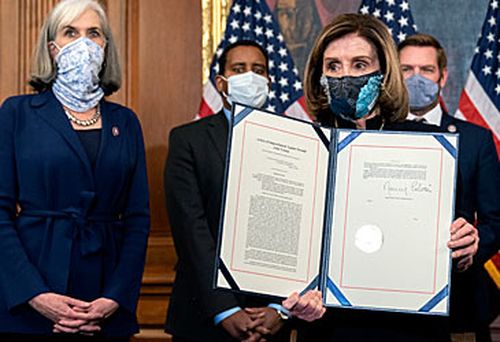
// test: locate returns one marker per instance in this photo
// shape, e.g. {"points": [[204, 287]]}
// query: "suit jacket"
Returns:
{"points": [[81, 231], [474, 297], [194, 174]]}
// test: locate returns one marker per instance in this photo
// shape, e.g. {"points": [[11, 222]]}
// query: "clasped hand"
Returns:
{"points": [[71, 315], [252, 324], [255, 324]]}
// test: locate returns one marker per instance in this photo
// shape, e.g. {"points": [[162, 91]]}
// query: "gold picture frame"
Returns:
{"points": [[214, 15]]}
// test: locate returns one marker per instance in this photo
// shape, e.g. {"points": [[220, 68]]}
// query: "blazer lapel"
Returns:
{"points": [[105, 131], [51, 111], [446, 120], [218, 132], [449, 123]]}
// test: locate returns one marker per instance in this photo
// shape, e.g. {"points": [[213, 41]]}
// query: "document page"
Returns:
{"points": [[273, 217], [393, 207]]}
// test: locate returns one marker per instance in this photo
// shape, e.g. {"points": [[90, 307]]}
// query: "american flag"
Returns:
{"points": [[396, 14], [253, 20], [480, 99]]}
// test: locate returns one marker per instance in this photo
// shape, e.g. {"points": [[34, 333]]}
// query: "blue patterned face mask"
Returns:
{"points": [[423, 92], [77, 81], [351, 97]]}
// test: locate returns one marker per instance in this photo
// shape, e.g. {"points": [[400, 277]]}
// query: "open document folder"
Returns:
{"points": [[362, 215]]}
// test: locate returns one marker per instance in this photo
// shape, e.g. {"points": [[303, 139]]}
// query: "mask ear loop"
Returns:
{"points": [[223, 92], [440, 89], [383, 124], [52, 43]]}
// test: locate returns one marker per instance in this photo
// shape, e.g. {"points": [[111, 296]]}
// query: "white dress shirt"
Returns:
{"points": [[432, 117]]}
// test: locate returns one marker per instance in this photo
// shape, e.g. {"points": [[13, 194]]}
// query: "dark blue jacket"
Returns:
{"points": [[474, 297], [80, 231]]}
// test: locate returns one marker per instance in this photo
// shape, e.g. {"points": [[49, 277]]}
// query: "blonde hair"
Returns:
{"points": [[44, 70], [393, 99]]}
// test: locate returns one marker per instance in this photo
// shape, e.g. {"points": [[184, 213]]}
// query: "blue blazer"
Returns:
{"points": [[474, 297], [81, 231]]}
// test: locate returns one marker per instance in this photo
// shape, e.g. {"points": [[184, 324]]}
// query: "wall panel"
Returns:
{"points": [[9, 46], [169, 82]]}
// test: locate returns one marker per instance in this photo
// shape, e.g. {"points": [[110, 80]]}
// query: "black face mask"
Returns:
{"points": [[350, 97]]}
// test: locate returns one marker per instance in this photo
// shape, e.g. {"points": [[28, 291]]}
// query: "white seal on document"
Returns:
{"points": [[369, 238]]}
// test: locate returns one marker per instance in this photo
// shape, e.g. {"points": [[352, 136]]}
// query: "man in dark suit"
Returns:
{"points": [[194, 175], [474, 297]]}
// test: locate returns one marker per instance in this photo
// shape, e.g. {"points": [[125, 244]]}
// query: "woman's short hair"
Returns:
{"points": [[44, 70], [393, 99]]}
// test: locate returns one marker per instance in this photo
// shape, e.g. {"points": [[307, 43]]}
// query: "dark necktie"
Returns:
{"points": [[420, 119]]}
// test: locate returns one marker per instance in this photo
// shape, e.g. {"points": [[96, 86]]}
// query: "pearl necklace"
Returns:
{"points": [[84, 123]]}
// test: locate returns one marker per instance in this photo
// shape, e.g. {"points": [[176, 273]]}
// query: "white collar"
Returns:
{"points": [[432, 117]]}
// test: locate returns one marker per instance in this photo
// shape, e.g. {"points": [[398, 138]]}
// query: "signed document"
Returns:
{"points": [[363, 216], [392, 211]]}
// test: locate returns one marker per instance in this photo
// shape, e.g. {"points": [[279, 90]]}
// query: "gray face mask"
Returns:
{"points": [[423, 92]]}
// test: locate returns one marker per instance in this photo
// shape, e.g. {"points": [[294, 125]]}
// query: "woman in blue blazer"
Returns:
{"points": [[74, 211]]}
